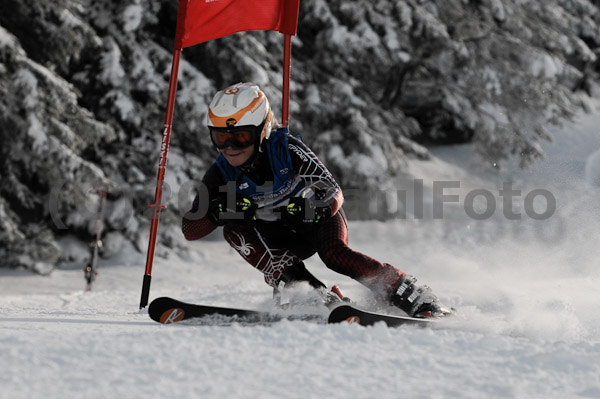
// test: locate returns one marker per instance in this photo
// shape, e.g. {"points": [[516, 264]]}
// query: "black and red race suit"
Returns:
{"points": [[285, 167]]}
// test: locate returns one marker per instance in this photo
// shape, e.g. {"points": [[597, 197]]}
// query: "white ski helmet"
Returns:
{"points": [[242, 105]]}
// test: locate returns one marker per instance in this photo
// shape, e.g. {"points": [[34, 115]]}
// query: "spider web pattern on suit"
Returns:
{"points": [[249, 243], [314, 173]]}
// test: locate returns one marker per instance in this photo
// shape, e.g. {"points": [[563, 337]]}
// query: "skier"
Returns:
{"points": [[279, 205]]}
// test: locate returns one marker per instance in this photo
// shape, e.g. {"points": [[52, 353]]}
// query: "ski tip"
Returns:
{"points": [[352, 320], [166, 310], [171, 316], [352, 315]]}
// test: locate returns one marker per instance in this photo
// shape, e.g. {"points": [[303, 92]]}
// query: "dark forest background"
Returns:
{"points": [[375, 84]]}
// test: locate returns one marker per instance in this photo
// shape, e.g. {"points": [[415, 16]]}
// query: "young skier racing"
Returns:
{"points": [[279, 205]]}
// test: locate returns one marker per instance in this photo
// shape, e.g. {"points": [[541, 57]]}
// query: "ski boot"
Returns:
{"points": [[417, 301]]}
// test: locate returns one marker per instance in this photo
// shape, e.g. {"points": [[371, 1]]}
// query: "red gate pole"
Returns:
{"points": [[287, 69], [162, 167]]}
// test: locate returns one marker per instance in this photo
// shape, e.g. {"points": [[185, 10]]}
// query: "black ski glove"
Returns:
{"points": [[241, 211], [302, 214]]}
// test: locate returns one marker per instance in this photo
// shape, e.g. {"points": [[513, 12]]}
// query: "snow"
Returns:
{"points": [[364, 36], [7, 39], [132, 17], [497, 9], [37, 134], [592, 169], [526, 292], [256, 73], [125, 105], [112, 70], [70, 20], [544, 65], [346, 91], [313, 98]]}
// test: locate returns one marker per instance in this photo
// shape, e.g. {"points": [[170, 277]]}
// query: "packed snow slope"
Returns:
{"points": [[527, 294]]}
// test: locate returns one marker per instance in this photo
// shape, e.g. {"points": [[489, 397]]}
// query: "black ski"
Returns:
{"points": [[350, 314], [168, 310]]}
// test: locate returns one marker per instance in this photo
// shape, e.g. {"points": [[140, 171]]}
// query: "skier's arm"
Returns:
{"points": [[195, 228], [195, 224], [315, 175]]}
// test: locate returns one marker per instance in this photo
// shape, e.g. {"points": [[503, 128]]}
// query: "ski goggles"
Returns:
{"points": [[239, 137]]}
